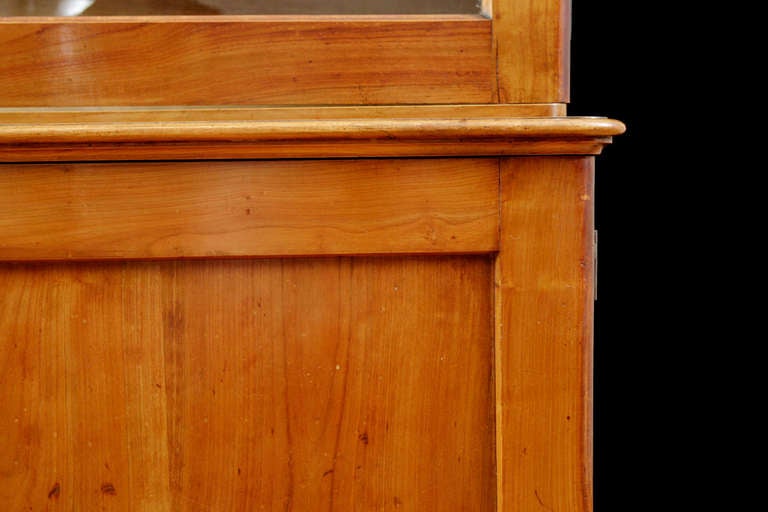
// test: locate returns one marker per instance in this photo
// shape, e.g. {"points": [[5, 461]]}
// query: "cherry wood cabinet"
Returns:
{"points": [[295, 263]]}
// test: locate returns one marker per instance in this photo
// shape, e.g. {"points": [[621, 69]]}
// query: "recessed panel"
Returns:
{"points": [[298, 384]]}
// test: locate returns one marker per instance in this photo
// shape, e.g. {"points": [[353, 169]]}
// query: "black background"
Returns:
{"points": [[612, 74], [679, 214]]}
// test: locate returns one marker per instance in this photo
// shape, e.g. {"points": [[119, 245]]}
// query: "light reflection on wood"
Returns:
{"points": [[208, 7]]}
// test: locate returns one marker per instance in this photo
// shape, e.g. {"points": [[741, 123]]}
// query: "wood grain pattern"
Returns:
{"points": [[113, 114], [521, 56], [245, 61], [229, 382], [237, 7], [465, 133], [310, 150], [532, 47], [544, 334], [327, 384], [297, 131], [83, 417], [255, 208]]}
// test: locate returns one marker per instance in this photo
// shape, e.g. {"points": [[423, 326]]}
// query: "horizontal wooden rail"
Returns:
{"points": [[249, 60], [305, 138], [302, 130], [113, 113], [157, 210]]}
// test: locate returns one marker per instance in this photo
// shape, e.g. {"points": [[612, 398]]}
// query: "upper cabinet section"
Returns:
{"points": [[159, 61], [106, 53], [232, 7]]}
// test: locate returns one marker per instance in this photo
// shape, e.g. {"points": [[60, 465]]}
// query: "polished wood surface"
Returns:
{"points": [[460, 131], [532, 41], [245, 61], [538, 446], [251, 208], [300, 130], [124, 114], [521, 55], [300, 384], [351, 263], [207, 7], [544, 293]]}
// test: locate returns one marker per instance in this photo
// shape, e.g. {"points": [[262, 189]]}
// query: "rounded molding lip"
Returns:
{"points": [[327, 129], [459, 134]]}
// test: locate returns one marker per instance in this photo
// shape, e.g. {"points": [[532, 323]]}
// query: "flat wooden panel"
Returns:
{"points": [[81, 389], [237, 61], [247, 208], [544, 334], [532, 40], [328, 384]]}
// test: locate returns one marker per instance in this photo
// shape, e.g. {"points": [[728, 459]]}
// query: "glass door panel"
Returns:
{"points": [[232, 7]]}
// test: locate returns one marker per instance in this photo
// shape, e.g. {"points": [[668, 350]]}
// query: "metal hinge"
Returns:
{"points": [[594, 264]]}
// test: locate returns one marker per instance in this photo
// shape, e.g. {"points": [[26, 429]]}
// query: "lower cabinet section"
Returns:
{"points": [[408, 334], [352, 383]]}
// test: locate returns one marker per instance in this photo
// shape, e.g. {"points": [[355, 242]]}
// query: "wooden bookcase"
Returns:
{"points": [[295, 263]]}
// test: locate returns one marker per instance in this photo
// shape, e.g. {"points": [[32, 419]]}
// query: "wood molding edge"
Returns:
{"points": [[457, 135]]}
